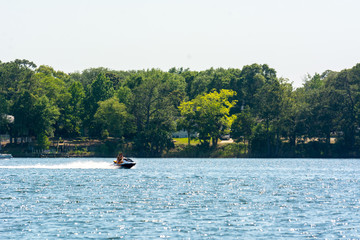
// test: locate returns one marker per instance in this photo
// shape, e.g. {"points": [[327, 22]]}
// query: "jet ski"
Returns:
{"points": [[126, 163]]}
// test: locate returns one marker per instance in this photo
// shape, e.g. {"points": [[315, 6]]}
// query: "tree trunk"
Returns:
{"points": [[188, 134], [214, 141], [292, 139], [268, 138], [245, 145], [328, 142], [278, 142]]}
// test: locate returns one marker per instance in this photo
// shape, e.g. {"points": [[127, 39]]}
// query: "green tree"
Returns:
{"points": [[294, 112], [241, 129], [33, 116], [15, 76], [54, 85], [44, 117], [189, 77], [113, 117], [23, 112], [210, 114], [285, 124], [155, 97], [269, 99], [200, 83], [313, 116], [253, 77], [124, 94], [187, 121], [101, 89], [320, 118], [70, 120], [345, 95], [43, 141], [46, 82], [4, 110], [260, 139], [88, 76]]}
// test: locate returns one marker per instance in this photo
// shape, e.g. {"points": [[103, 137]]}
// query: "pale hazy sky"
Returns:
{"points": [[295, 37]]}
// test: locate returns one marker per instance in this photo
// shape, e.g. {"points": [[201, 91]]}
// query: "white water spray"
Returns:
{"points": [[70, 165]]}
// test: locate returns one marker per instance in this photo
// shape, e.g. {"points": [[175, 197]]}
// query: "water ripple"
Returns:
{"points": [[249, 198]]}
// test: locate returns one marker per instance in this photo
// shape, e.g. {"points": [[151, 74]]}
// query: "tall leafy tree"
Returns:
{"points": [[88, 76], [23, 112], [269, 102], [189, 77], [293, 115], [187, 120], [200, 83], [15, 76], [48, 82], [101, 89], [210, 114], [241, 129], [125, 95], [4, 110], [286, 122], [252, 79], [345, 89], [320, 115], [156, 95], [45, 115], [34, 116], [70, 121], [54, 85], [112, 117]]}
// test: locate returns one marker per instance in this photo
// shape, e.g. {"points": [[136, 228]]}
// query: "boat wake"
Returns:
{"points": [[70, 165]]}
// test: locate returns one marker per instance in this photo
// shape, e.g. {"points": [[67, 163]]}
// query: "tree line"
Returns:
{"points": [[262, 112]]}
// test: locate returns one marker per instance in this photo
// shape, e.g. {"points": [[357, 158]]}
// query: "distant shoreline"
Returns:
{"points": [[221, 151]]}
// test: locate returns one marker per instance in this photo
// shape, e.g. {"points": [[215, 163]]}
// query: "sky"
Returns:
{"points": [[295, 37]]}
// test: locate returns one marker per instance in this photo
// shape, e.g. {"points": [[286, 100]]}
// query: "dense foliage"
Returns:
{"points": [[262, 112]]}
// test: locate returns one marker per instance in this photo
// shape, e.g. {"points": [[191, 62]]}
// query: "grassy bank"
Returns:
{"points": [[195, 150]]}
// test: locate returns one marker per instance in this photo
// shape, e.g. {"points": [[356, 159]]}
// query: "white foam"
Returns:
{"points": [[70, 165]]}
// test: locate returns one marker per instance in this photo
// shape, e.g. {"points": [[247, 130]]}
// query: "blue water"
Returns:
{"points": [[180, 199]]}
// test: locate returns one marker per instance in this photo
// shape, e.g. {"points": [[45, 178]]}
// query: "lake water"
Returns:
{"points": [[180, 199]]}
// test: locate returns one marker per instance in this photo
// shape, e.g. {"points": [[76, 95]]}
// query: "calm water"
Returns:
{"points": [[180, 199]]}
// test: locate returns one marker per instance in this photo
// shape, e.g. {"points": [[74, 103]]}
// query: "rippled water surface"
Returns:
{"points": [[180, 199]]}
